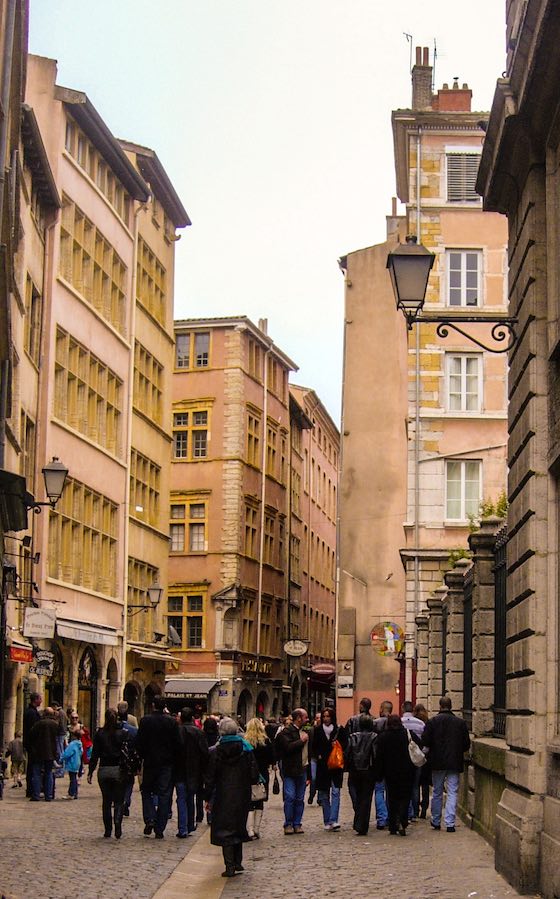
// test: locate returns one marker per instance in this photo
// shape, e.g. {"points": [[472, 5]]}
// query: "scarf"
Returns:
{"points": [[328, 728], [237, 738]]}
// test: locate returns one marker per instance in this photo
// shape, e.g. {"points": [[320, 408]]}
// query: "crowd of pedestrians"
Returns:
{"points": [[223, 769]]}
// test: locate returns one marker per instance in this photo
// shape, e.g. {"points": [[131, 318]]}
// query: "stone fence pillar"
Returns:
{"points": [[455, 580], [422, 638], [434, 603]]}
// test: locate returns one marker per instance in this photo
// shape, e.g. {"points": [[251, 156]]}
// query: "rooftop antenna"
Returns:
{"points": [[434, 68], [409, 39]]}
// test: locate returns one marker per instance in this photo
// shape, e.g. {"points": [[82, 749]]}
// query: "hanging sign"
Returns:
{"points": [[387, 638], [44, 663], [39, 623], [20, 654], [295, 647]]}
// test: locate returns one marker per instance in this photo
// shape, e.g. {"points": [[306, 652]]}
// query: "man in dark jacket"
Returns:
{"points": [[353, 723], [44, 752], [157, 743], [189, 771], [30, 717], [447, 738], [291, 746]]}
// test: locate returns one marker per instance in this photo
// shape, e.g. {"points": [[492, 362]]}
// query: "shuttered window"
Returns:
{"points": [[462, 169]]}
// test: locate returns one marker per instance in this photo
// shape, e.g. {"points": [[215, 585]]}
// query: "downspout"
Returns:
{"points": [[288, 567], [408, 679], [128, 445], [263, 500], [6, 88]]}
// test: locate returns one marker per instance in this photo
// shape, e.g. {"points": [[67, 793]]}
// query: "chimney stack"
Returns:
{"points": [[422, 80]]}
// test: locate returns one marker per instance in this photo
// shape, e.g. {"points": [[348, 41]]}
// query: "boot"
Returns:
{"points": [[238, 858], [258, 813], [251, 825], [229, 860], [119, 812]]}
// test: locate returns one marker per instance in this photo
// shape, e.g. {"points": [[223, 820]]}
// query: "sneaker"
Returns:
{"points": [[380, 826], [181, 836], [299, 829], [288, 829], [450, 830], [335, 826], [327, 827], [239, 869], [148, 829], [159, 836], [435, 826]]}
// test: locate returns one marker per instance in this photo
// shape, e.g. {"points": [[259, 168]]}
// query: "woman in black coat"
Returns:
{"points": [[328, 781], [231, 771], [107, 750], [396, 769]]}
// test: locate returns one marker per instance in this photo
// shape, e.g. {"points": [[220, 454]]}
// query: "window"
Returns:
{"points": [[144, 488], [190, 434], [151, 282], [140, 625], [148, 374], [188, 528], [88, 394], [463, 489], [255, 360], [462, 169], [27, 440], [296, 493], [464, 383], [464, 269], [33, 312], [186, 614], [295, 572], [192, 349], [253, 439], [90, 264], [83, 531], [271, 441], [90, 160], [269, 539], [250, 542]]}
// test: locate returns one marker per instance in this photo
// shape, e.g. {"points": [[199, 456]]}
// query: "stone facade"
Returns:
{"points": [[519, 177]]}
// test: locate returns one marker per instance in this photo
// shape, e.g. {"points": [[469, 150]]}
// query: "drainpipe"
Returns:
{"points": [[5, 101], [409, 670]]}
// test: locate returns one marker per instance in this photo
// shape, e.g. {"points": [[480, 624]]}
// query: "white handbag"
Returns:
{"points": [[417, 757]]}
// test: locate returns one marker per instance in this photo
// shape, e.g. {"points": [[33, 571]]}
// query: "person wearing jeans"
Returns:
{"points": [[292, 749], [447, 738], [328, 780], [158, 745], [44, 753]]}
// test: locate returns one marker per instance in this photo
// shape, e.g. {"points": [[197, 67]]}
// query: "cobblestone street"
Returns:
{"points": [[57, 852]]}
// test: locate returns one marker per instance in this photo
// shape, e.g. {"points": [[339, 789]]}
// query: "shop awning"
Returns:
{"points": [[161, 655], [87, 633], [189, 687]]}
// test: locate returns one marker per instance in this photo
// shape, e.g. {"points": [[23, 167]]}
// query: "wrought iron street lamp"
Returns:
{"points": [[54, 475], [409, 266], [155, 593]]}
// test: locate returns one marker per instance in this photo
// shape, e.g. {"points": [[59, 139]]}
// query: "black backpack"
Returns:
{"points": [[361, 751]]}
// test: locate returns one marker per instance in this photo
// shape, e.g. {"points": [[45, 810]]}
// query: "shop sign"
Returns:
{"points": [[20, 654], [295, 647], [39, 623], [251, 666], [44, 663], [223, 693]]}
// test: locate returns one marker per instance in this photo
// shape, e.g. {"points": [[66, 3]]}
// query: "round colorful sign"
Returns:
{"points": [[387, 638]]}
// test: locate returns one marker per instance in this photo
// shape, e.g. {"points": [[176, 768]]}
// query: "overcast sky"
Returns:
{"points": [[273, 120]]}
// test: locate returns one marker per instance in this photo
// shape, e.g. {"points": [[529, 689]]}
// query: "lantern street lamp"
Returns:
{"points": [[54, 475], [155, 593], [409, 266]]}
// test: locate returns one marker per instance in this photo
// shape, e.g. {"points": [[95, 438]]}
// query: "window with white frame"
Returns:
{"points": [[464, 281], [462, 170], [463, 489], [464, 382]]}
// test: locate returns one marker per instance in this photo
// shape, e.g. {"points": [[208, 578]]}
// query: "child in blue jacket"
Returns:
{"points": [[72, 759]]}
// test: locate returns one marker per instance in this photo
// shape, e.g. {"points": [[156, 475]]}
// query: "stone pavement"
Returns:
{"points": [[57, 851]]}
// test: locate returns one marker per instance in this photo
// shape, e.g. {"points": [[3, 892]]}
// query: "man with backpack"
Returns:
{"points": [[360, 762]]}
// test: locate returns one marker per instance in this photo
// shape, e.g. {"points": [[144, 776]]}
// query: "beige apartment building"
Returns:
{"points": [[424, 415], [91, 385], [236, 477]]}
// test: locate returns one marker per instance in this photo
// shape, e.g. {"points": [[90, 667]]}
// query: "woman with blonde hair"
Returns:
{"points": [[255, 734]]}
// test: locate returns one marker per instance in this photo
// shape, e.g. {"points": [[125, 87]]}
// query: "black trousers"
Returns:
{"points": [[113, 788], [363, 783], [398, 799], [233, 856]]}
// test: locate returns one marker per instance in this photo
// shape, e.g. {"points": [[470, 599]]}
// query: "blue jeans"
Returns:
{"points": [[414, 805], [313, 772], [48, 780], [294, 792], [451, 781], [381, 812], [73, 785], [185, 808], [157, 789], [330, 803]]}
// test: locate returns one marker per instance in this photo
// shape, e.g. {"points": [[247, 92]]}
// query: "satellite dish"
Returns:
{"points": [[174, 637]]}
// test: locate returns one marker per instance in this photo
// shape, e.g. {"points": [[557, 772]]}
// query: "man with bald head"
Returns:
{"points": [[292, 749]]}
